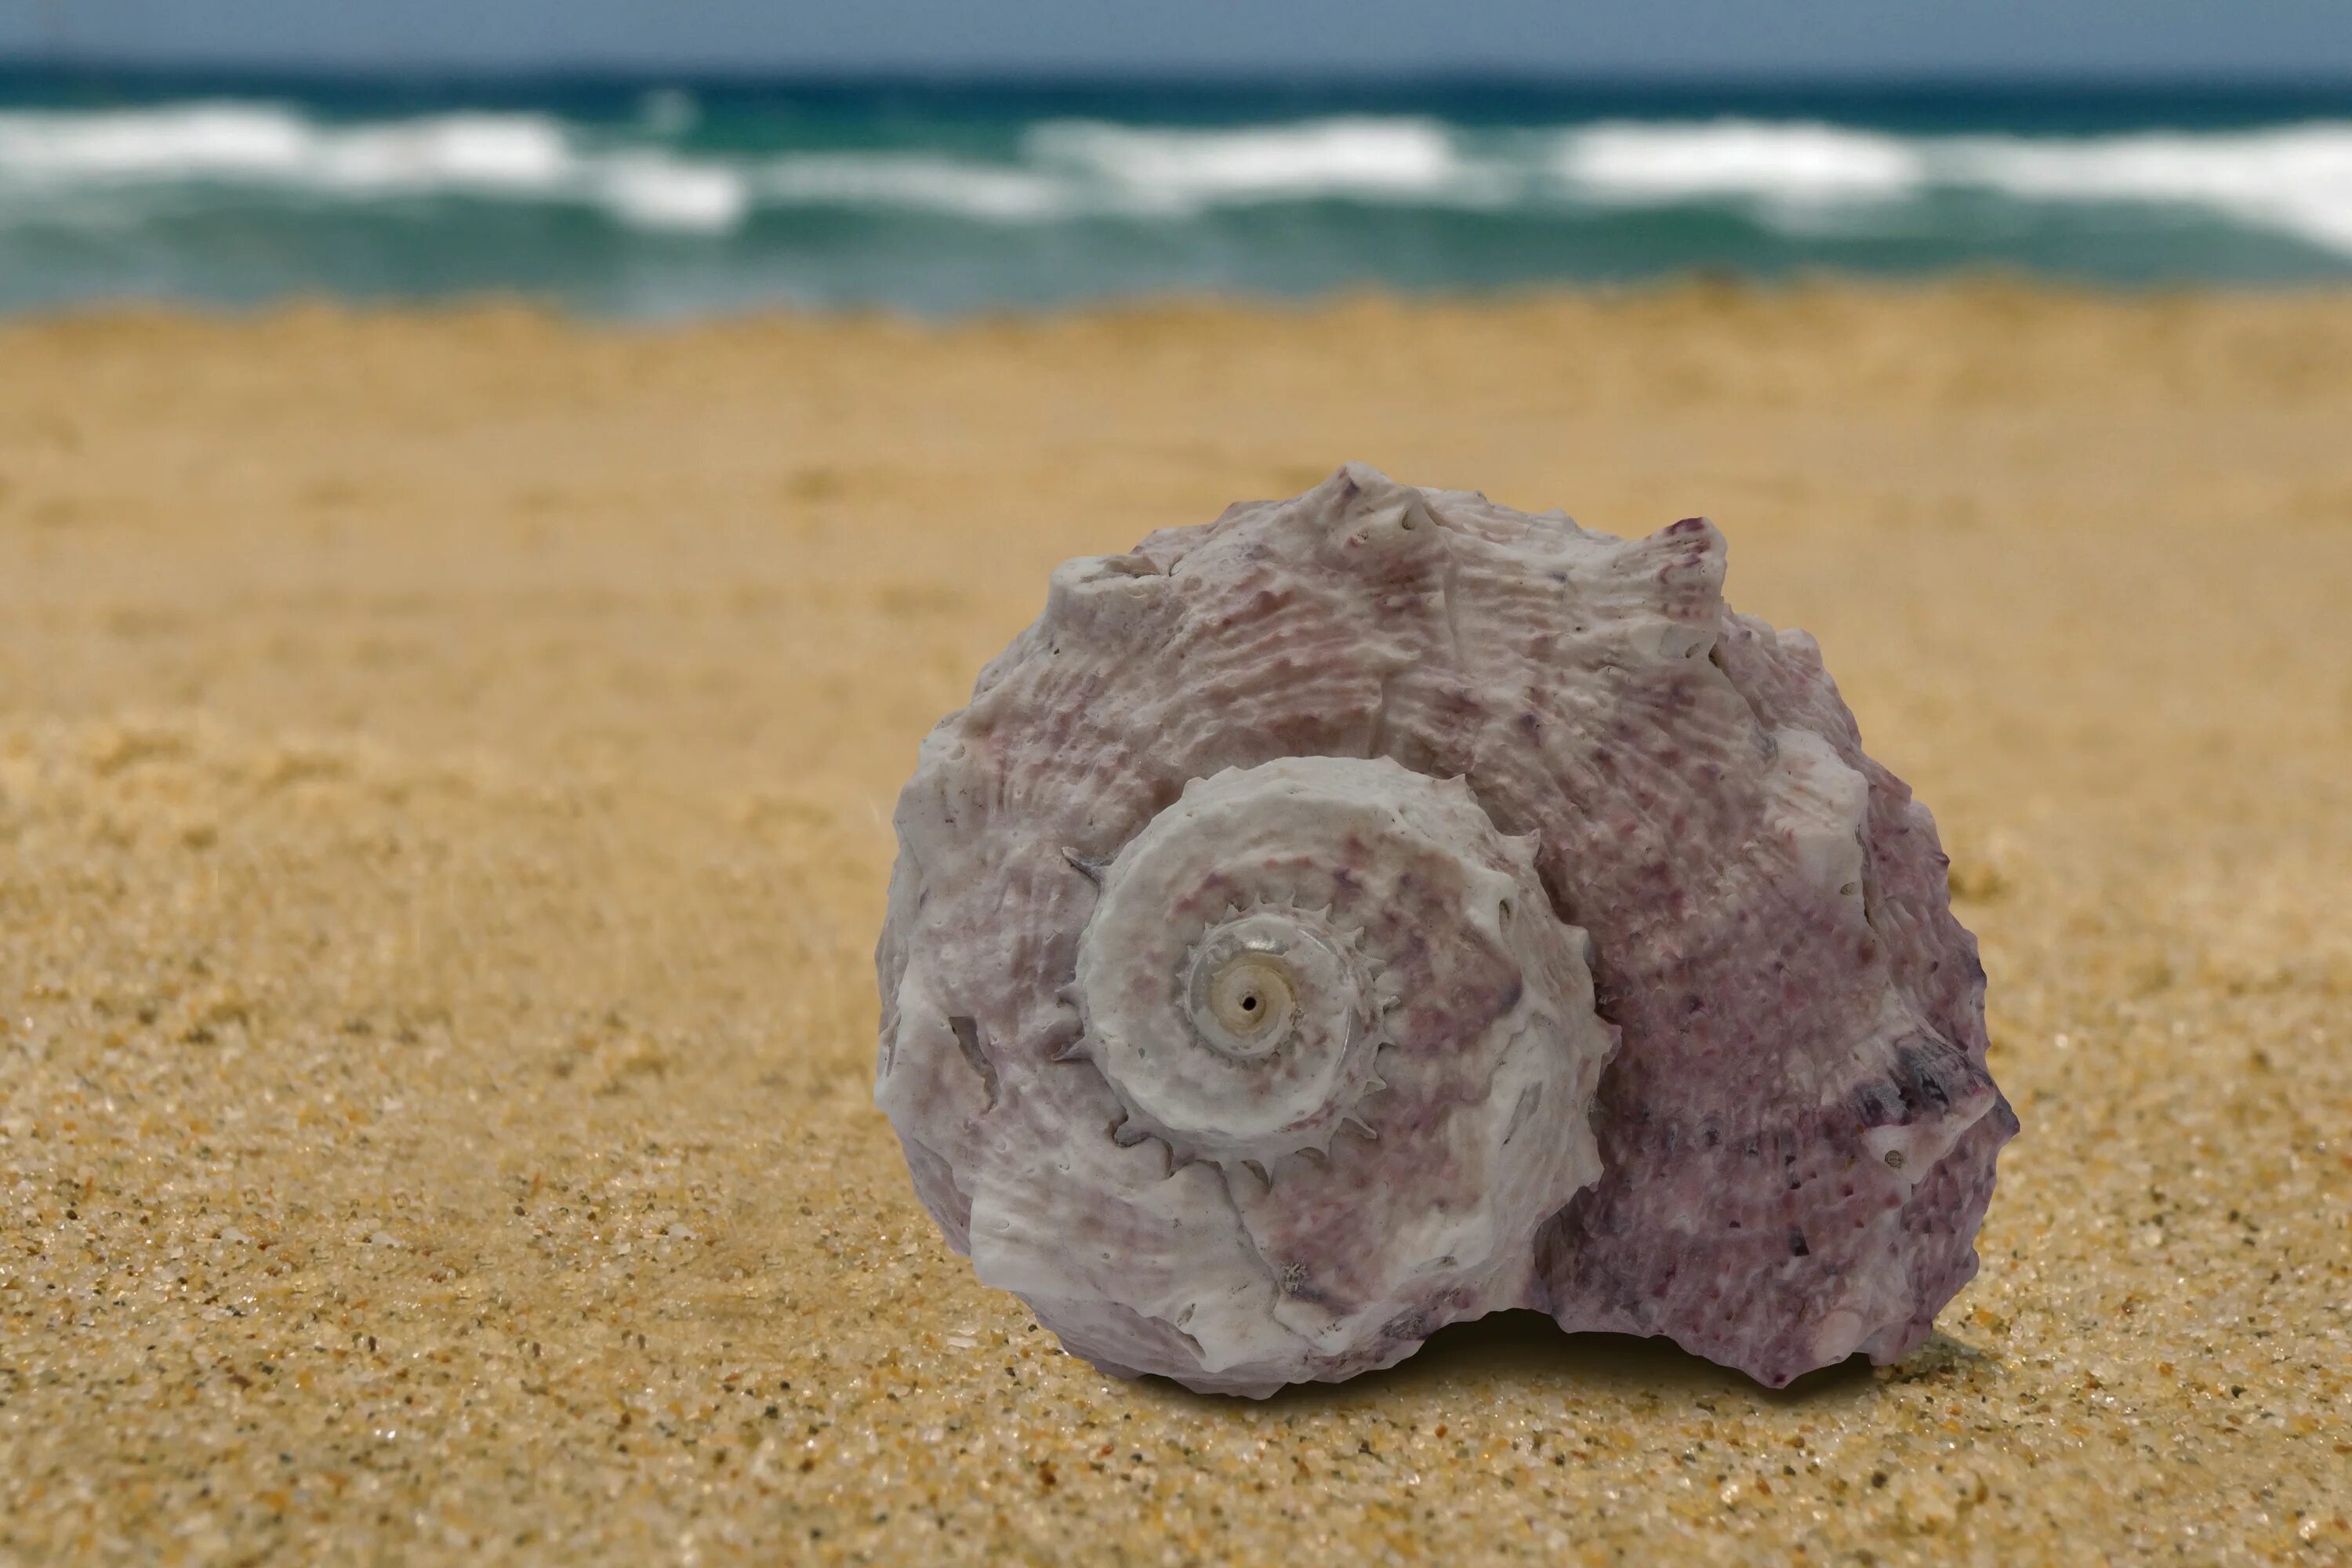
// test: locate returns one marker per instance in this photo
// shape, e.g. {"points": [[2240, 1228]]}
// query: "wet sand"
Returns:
{"points": [[446, 765]]}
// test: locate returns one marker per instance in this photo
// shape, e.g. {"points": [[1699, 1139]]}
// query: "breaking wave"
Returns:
{"points": [[1404, 161], [2296, 179], [676, 206], [514, 157]]}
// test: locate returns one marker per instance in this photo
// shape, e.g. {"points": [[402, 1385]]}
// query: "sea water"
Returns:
{"points": [[667, 198]]}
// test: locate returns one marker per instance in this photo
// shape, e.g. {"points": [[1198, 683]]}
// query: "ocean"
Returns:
{"points": [[662, 198]]}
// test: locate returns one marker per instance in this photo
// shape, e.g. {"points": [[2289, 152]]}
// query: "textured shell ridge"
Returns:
{"points": [[1381, 907]]}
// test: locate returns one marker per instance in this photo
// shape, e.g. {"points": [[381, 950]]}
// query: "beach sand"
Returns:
{"points": [[445, 769]]}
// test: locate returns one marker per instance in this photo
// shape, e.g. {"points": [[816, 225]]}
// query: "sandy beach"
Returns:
{"points": [[445, 769]]}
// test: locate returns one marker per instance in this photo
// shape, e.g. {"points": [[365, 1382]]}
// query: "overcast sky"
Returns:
{"points": [[2271, 37]]}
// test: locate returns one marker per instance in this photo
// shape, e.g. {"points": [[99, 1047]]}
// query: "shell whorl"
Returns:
{"points": [[1319, 973], [1267, 1042], [1238, 977]]}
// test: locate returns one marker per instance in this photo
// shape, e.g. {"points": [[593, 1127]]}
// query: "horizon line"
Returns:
{"points": [[725, 74]]}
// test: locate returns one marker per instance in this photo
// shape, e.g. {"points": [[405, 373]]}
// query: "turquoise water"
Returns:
{"points": [[660, 198]]}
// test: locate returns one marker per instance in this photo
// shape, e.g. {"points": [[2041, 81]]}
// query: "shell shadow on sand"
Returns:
{"points": [[1526, 1352]]}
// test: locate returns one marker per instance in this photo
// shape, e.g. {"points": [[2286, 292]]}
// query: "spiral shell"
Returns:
{"points": [[1382, 907]]}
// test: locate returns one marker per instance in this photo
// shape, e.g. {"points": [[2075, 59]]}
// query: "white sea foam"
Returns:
{"points": [[527, 157], [921, 183], [191, 142], [256, 142], [2297, 179], [1666, 165], [653, 190], [1361, 159], [523, 154]]}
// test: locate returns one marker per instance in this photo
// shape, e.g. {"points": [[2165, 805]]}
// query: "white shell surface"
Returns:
{"points": [[1390, 1144], [1295, 765], [1314, 1191]]}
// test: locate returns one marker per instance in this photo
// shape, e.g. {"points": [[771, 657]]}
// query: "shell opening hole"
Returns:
{"points": [[1250, 1001]]}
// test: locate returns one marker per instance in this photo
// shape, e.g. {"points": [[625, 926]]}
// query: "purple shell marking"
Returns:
{"points": [[1381, 908]]}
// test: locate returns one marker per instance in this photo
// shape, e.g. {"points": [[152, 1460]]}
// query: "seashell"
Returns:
{"points": [[1381, 908]]}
